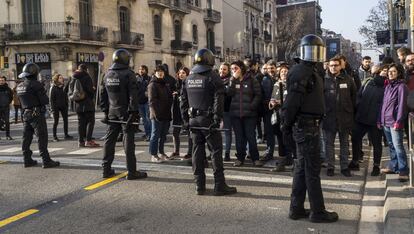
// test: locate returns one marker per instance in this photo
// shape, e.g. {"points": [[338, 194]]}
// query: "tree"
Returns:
{"points": [[377, 21], [289, 32]]}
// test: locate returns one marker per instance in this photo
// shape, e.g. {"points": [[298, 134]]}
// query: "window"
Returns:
{"points": [[177, 30], [195, 34], [85, 12], [124, 19], [211, 44], [31, 12], [157, 27], [332, 47], [246, 14]]}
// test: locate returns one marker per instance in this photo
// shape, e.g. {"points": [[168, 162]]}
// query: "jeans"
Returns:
{"points": [[398, 156], [270, 136], [64, 113], [158, 136], [144, 113], [227, 134], [176, 140], [16, 113], [85, 125], [330, 148], [375, 135], [5, 115], [244, 131]]}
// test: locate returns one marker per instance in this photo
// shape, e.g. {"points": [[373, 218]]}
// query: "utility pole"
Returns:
{"points": [[252, 31], [392, 27]]}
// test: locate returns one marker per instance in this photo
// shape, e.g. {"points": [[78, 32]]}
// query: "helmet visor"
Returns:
{"points": [[313, 53]]}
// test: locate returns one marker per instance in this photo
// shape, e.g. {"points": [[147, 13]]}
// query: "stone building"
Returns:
{"points": [[58, 35], [249, 29]]}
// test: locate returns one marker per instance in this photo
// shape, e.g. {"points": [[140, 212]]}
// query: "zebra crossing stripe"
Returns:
{"points": [[50, 150], [11, 150], [85, 151], [122, 152]]}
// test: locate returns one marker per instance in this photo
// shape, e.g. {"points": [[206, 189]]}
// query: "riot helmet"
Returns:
{"points": [[30, 70], [312, 49], [203, 61], [121, 56]]}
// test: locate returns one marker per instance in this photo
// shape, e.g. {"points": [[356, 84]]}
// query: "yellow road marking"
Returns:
{"points": [[106, 181], [17, 217]]}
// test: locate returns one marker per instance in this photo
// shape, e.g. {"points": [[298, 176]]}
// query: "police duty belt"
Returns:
{"points": [[203, 128]]}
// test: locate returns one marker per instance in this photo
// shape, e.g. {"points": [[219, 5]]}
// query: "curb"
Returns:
{"points": [[398, 213]]}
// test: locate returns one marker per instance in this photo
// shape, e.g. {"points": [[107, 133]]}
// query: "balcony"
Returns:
{"points": [[267, 37], [212, 16], [181, 47], [267, 16], [129, 40], [254, 4], [180, 7], [256, 32], [159, 3], [55, 32]]}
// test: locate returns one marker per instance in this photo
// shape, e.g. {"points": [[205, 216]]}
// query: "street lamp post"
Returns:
{"points": [[252, 31]]}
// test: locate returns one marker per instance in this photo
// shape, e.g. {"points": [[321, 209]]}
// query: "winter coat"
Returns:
{"points": [[160, 99], [276, 95], [87, 104], [58, 99], [363, 74], [227, 98], [369, 101], [6, 96], [143, 82], [340, 99], [246, 97], [267, 89], [394, 104], [16, 101]]}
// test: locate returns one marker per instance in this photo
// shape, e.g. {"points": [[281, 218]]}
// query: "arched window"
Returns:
{"points": [[195, 34], [157, 27]]}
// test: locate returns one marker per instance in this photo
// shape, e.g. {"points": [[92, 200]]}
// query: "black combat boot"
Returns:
{"points": [[29, 162], [296, 214], [50, 163], [227, 157], [108, 172], [200, 188], [222, 189], [136, 175], [323, 217]]}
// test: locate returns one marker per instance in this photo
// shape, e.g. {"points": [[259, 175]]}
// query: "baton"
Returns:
{"points": [[122, 122], [203, 128]]}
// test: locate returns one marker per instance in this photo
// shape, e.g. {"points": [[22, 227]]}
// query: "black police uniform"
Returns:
{"points": [[120, 101], [33, 99], [202, 105]]}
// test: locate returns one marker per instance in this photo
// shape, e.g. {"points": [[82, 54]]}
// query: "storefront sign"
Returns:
{"points": [[87, 58], [23, 58]]}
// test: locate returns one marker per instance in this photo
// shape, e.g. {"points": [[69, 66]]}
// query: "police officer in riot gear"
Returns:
{"points": [[120, 102], [302, 112], [202, 105], [33, 99]]}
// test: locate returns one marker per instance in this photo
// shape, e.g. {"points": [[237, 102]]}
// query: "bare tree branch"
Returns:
{"points": [[377, 21]]}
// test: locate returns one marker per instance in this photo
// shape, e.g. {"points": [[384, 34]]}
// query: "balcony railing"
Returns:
{"points": [[211, 15], [55, 31], [180, 6], [267, 16], [267, 37], [181, 45], [159, 3], [129, 38], [255, 4]]}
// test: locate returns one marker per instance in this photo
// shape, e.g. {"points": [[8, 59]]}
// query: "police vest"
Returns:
{"points": [[200, 92]]}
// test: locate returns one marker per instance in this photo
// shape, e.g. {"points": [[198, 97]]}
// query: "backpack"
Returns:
{"points": [[76, 92]]}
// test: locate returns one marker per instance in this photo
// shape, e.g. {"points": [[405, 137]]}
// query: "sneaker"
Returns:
{"points": [[174, 156], [108, 173], [403, 178], [266, 157], [81, 144], [9, 138], [238, 163], [227, 157], [257, 163], [295, 215], [68, 137], [163, 157], [375, 171], [55, 139], [387, 171], [353, 166], [136, 175], [91, 144], [346, 172], [323, 217], [155, 159], [186, 157], [330, 172]]}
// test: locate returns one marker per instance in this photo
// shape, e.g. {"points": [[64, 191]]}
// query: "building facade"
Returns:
{"points": [[59, 35], [249, 29]]}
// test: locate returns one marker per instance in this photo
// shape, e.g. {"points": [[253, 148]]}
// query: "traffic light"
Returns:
{"points": [[4, 62]]}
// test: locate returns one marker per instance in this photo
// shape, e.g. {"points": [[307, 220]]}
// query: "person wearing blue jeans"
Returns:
{"points": [[398, 156], [224, 72], [144, 113], [227, 135], [158, 136]]}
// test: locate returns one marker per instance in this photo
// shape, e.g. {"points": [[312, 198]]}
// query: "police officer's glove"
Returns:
{"points": [[105, 120], [133, 118]]}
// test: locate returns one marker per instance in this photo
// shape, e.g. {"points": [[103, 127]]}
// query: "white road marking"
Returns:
{"points": [[122, 153], [11, 150], [85, 151]]}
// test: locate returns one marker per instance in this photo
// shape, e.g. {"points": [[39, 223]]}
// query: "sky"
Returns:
{"points": [[346, 16]]}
